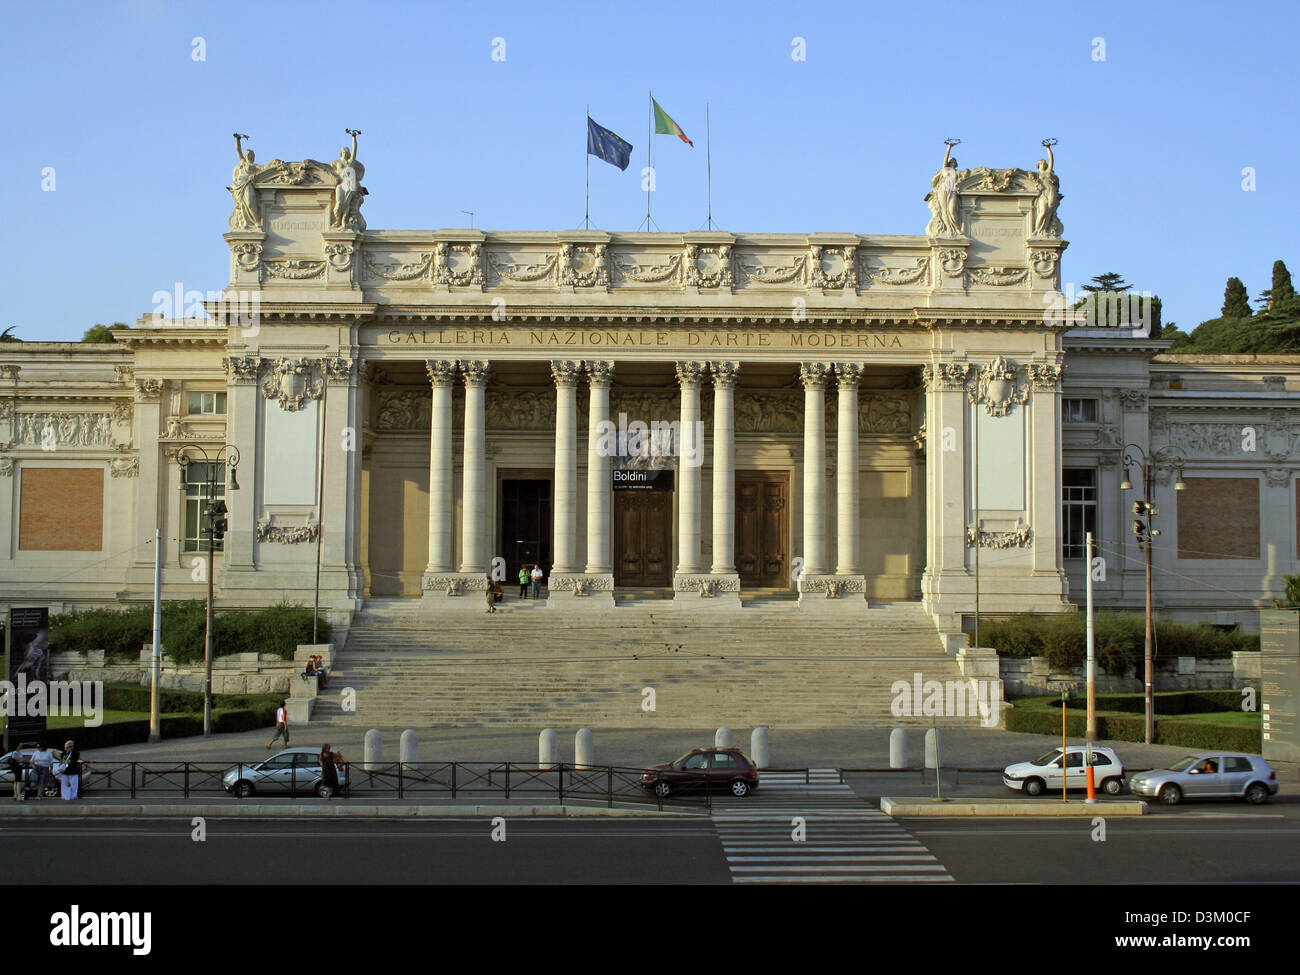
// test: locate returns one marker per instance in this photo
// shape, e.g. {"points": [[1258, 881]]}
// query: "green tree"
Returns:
{"points": [[1110, 281], [1236, 302], [8, 335], [1283, 291], [98, 333]]}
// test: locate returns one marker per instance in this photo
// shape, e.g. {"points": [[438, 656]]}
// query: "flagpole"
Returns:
{"points": [[649, 162], [586, 220], [708, 148]]}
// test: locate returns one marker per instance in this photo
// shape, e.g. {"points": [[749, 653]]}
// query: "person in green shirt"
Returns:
{"points": [[523, 582]]}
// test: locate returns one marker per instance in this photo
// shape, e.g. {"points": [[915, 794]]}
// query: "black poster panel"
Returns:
{"points": [[29, 675]]}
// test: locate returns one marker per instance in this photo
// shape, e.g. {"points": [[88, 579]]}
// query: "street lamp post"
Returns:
{"points": [[215, 525], [1147, 463]]}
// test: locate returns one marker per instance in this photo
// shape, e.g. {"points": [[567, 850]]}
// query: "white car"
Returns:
{"points": [[1044, 774]]}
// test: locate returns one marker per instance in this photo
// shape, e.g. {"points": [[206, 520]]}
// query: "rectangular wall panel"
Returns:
{"points": [[290, 458], [61, 509], [1218, 518]]}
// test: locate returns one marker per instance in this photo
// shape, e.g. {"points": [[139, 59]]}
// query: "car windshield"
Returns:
{"points": [[1048, 758], [682, 760], [1183, 763]]}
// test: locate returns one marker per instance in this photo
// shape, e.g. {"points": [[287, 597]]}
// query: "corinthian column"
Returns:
{"points": [[814, 375], [724, 467], [566, 374], [689, 376], [474, 526], [599, 576], [849, 375], [442, 374]]}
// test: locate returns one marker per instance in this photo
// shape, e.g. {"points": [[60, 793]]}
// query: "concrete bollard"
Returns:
{"points": [[584, 748], [546, 748], [898, 748], [408, 748], [722, 738], [933, 748], [758, 748], [373, 750]]}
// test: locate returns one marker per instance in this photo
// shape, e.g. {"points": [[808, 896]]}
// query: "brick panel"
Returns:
{"points": [[1218, 518], [61, 509]]}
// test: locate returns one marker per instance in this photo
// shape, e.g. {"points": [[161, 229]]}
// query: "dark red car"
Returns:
{"points": [[704, 769]]}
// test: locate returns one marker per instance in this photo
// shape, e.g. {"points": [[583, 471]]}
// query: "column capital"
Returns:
{"points": [[813, 375], [848, 374], [566, 372], [442, 372], [725, 373], [946, 375], [476, 371], [690, 371], [600, 372]]}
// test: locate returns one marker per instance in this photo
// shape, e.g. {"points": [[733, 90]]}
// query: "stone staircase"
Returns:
{"points": [[527, 666]]}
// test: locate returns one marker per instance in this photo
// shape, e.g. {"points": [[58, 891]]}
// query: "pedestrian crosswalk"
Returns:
{"points": [[810, 828]]}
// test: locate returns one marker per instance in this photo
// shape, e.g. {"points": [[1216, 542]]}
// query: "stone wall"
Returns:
{"points": [[1025, 676], [239, 673]]}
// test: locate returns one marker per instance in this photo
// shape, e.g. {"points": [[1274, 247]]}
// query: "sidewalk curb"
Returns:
{"points": [[333, 810], [1001, 807]]}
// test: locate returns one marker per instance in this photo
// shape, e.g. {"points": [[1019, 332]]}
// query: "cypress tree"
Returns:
{"points": [[1283, 290], [1236, 303]]}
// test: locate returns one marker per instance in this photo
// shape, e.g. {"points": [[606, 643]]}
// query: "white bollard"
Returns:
{"points": [[408, 748], [373, 750], [546, 748], [584, 748], [758, 748], [722, 738], [898, 748], [933, 749]]}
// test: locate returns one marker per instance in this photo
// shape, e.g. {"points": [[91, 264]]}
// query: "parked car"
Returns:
{"points": [[26, 751], [1209, 775], [294, 770], [704, 769], [1045, 773]]}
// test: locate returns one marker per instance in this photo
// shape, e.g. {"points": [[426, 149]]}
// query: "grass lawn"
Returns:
{"points": [[1243, 718]]}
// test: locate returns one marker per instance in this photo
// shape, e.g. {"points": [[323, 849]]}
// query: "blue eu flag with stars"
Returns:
{"points": [[605, 145]]}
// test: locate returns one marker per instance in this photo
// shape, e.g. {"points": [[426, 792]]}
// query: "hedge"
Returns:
{"points": [[134, 697], [1120, 639], [1043, 717], [172, 725], [122, 632]]}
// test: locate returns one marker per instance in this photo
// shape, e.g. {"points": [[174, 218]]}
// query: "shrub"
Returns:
{"points": [[1042, 716], [118, 632]]}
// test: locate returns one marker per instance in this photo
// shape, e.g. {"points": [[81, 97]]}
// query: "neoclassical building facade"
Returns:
{"points": [[833, 418]]}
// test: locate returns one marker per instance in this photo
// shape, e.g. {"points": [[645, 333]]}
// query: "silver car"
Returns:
{"points": [[1208, 775], [25, 753], [294, 770]]}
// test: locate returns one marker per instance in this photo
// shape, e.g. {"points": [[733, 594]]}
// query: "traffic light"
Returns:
{"points": [[217, 515]]}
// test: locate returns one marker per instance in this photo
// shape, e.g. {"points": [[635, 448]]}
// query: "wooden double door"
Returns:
{"points": [[643, 546], [762, 529]]}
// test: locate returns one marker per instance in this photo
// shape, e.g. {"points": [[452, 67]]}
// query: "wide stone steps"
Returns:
{"points": [[530, 666]]}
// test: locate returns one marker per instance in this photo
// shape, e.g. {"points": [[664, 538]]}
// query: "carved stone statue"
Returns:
{"points": [[945, 220], [247, 214], [1049, 196], [345, 213]]}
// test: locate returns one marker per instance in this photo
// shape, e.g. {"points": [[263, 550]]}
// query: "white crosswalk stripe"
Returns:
{"points": [[845, 840]]}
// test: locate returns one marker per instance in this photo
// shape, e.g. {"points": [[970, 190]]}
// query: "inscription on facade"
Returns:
{"points": [[657, 339]]}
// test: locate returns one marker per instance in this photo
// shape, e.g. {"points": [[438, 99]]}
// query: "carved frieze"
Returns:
{"points": [[832, 587], [402, 410], [1133, 399], [1275, 440], [1018, 537], [292, 383], [900, 276], [125, 466], [999, 277], [123, 412], [417, 270], [294, 270], [148, 389], [51, 431], [268, 531], [339, 255], [795, 272], [706, 586], [834, 268], [708, 266], [953, 261], [458, 265], [522, 272], [651, 273], [645, 405], [521, 409], [584, 266]]}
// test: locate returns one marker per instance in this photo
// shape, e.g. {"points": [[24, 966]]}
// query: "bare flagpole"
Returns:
{"points": [[649, 162], [586, 220], [708, 144]]}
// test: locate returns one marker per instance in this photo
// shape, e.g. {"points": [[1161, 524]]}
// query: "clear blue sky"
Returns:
{"points": [[1153, 139]]}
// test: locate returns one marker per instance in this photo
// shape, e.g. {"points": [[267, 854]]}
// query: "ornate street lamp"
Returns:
{"points": [[214, 527], [1147, 464]]}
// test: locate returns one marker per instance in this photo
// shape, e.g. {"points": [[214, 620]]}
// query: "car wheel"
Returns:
{"points": [[1112, 786], [662, 789], [1256, 793], [243, 790], [1033, 787], [740, 788], [1171, 795], [324, 791]]}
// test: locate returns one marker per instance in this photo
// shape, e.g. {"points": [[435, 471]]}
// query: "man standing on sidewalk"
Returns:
{"points": [[537, 581], [281, 724]]}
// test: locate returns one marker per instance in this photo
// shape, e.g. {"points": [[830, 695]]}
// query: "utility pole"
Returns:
{"points": [[155, 671]]}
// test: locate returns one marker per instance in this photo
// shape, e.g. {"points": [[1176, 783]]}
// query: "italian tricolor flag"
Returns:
{"points": [[664, 125]]}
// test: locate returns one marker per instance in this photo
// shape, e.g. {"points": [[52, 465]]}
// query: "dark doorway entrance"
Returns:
{"points": [[643, 538], [525, 525], [762, 549]]}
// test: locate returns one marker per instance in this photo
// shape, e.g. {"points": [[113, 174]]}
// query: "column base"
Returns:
{"points": [[832, 593], [580, 591], [706, 591]]}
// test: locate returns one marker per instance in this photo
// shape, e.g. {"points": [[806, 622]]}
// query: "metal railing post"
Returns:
{"points": [[453, 780], [561, 780], [401, 782], [187, 780], [133, 780], [609, 782], [507, 780]]}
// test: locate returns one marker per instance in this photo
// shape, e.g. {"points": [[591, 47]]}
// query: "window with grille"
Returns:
{"points": [[198, 494], [1078, 411], [211, 404], [1079, 510]]}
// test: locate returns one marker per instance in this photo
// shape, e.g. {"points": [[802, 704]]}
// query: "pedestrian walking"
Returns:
{"points": [[329, 773], [70, 781], [42, 768], [537, 581], [491, 596], [17, 768], [523, 582], [281, 725]]}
